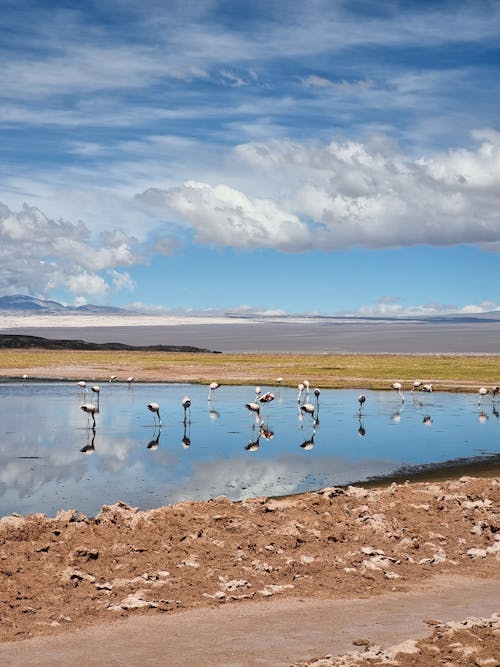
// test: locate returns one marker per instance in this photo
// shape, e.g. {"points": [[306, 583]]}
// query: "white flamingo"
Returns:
{"points": [[211, 389], [155, 409], [255, 409], [482, 392], [90, 409], [186, 404], [397, 387]]}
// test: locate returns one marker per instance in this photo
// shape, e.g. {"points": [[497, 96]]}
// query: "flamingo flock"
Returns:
{"points": [[307, 409]]}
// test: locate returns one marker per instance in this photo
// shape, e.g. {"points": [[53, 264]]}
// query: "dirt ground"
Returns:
{"points": [[69, 572]]}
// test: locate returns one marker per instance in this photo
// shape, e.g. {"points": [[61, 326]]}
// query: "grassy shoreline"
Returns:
{"points": [[446, 372]]}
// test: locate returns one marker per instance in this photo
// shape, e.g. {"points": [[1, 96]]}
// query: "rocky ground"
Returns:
{"points": [[70, 571], [474, 641]]}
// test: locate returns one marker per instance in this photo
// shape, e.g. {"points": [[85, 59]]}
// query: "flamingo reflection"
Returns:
{"points": [[155, 442], [89, 448]]}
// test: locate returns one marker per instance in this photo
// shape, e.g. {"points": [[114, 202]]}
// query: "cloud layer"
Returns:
{"points": [[340, 195]]}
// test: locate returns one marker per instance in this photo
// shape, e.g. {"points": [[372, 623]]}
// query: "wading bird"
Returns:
{"points": [[300, 387], [211, 389], [112, 378], [427, 388], [255, 408], [97, 390], [90, 409], [397, 387], [83, 385], [361, 401], [278, 380], [186, 404], [130, 380], [266, 398], [309, 409], [155, 409], [482, 392], [306, 387], [416, 385]]}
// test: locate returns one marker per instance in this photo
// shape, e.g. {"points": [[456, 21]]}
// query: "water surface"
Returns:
{"points": [[222, 451]]}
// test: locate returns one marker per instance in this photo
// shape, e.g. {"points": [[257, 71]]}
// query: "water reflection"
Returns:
{"points": [[43, 437]]}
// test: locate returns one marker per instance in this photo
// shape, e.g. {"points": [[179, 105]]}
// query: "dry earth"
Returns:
{"points": [[63, 573]]}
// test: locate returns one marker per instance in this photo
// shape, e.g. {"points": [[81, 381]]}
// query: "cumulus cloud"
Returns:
{"points": [[340, 195], [39, 255], [223, 216]]}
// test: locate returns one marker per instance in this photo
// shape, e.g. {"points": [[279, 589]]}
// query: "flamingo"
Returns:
{"points": [[83, 385], [155, 409], [309, 409], [255, 408], [416, 385], [186, 404], [482, 392], [306, 386], [300, 387], [278, 380], [211, 388], [494, 392], [361, 401], [266, 398], [397, 387], [112, 378], [96, 389], [25, 377], [90, 409], [130, 380], [427, 388]]}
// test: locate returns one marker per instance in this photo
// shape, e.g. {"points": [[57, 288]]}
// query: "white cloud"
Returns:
{"points": [[390, 306], [39, 255], [224, 216], [339, 195]]}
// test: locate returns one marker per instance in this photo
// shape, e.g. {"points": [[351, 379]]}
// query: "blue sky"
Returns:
{"points": [[210, 156]]}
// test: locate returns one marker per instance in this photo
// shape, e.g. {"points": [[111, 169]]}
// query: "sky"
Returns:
{"points": [[210, 156]]}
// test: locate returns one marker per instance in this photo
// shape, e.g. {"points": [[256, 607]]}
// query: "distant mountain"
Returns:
{"points": [[21, 303]]}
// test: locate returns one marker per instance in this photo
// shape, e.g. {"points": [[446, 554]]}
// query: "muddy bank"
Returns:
{"points": [[69, 572]]}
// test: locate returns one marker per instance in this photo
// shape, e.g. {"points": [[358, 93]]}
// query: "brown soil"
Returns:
{"points": [[69, 572]]}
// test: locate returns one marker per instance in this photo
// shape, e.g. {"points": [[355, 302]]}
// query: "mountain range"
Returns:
{"points": [[22, 304]]}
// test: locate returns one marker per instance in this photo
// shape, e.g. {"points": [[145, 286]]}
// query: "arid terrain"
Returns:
{"points": [[66, 573]]}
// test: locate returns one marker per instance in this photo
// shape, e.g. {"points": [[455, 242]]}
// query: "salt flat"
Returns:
{"points": [[298, 335]]}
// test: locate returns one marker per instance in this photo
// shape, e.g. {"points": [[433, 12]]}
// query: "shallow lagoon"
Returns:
{"points": [[43, 431]]}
